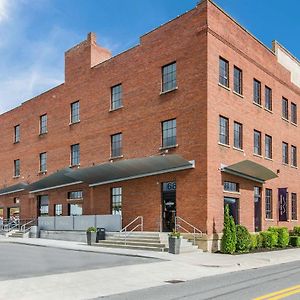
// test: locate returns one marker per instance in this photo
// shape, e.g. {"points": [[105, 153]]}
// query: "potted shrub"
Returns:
{"points": [[91, 234], [174, 242]]}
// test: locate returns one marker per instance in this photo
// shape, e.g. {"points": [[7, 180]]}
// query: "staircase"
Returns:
{"points": [[17, 234]]}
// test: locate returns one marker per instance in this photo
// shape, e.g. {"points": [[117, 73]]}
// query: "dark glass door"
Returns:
{"points": [[233, 204], [257, 209], [168, 205]]}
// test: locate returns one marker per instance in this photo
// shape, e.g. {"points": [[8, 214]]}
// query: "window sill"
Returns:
{"points": [[269, 220], [43, 133], [233, 193], [294, 124], [238, 149], [74, 166], [17, 142], [42, 172], [238, 94], [224, 145], [16, 177], [294, 220], [269, 111], [114, 109], [73, 123], [257, 155], [294, 167], [284, 164], [284, 119], [257, 104], [168, 91], [116, 157], [270, 159], [75, 200], [224, 86], [168, 147]]}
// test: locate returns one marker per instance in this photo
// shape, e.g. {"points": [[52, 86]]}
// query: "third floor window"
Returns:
{"points": [[294, 113], [223, 130], [256, 91], [43, 162], [169, 133], [75, 112], [75, 155], [238, 80], [268, 146], [257, 142], [238, 135], [116, 97], [223, 72], [43, 124], [285, 153], [17, 134], [294, 156], [116, 145], [268, 98], [169, 81], [17, 168], [285, 108]]}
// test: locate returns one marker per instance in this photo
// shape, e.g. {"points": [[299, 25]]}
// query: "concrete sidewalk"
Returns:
{"points": [[107, 281]]}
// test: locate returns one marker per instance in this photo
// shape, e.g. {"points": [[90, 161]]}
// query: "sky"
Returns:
{"points": [[34, 34]]}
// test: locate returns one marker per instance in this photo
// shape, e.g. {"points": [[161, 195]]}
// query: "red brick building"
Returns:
{"points": [[214, 107]]}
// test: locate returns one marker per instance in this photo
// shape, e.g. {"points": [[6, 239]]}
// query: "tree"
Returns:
{"points": [[228, 241]]}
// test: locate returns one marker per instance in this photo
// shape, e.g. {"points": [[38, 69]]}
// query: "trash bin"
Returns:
{"points": [[100, 234]]}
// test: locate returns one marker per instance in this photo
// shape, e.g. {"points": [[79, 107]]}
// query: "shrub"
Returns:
{"points": [[283, 236], [91, 229], [253, 241], [270, 239], [259, 241], [295, 241], [296, 231], [228, 238], [233, 230], [243, 239]]}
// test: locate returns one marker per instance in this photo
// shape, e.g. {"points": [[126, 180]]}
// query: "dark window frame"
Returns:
{"points": [[169, 133], [294, 207], [17, 168], [116, 94], [294, 156], [17, 133], [75, 155], [169, 77], [294, 116], [43, 162], [116, 147], [230, 186], [75, 112], [238, 80], [223, 130], [269, 204], [75, 195], [285, 108], [43, 124], [116, 200], [257, 148], [285, 153], [268, 146], [238, 135], [223, 72], [257, 91], [71, 205], [58, 209], [268, 98]]}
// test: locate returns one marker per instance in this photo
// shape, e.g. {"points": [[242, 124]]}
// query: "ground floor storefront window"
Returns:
{"points": [[75, 209], [43, 205], [233, 204], [116, 201]]}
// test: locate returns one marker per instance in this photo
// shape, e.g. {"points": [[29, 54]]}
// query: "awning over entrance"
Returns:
{"points": [[53, 181], [250, 170], [131, 169], [13, 189]]}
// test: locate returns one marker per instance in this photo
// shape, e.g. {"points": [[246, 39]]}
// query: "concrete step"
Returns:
{"points": [[147, 248], [133, 243], [134, 234], [133, 239]]}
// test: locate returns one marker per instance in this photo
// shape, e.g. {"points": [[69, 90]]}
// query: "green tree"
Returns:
{"points": [[229, 234]]}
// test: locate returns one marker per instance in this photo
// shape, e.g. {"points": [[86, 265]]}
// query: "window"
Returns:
{"points": [[224, 72], [16, 167], [223, 130], [268, 98], [75, 113], [257, 142], [75, 195], [231, 186], [58, 209], [43, 124], [75, 155], [116, 96], [169, 133], [285, 109], [294, 113], [116, 145], [169, 77], [116, 201], [17, 134], [256, 91], [43, 162], [294, 206], [268, 146], [285, 153], [238, 80], [294, 156], [75, 209], [269, 204], [238, 135], [43, 202], [233, 205]]}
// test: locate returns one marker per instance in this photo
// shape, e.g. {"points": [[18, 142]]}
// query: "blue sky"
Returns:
{"points": [[34, 34]]}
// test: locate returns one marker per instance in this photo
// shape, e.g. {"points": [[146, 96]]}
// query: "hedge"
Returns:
{"points": [[253, 241], [270, 239], [243, 239], [295, 241], [296, 231], [283, 236]]}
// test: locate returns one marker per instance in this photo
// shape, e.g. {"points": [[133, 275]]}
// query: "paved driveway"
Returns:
{"points": [[21, 261]]}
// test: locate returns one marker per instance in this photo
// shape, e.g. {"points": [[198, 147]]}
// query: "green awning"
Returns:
{"points": [[250, 170], [19, 187]]}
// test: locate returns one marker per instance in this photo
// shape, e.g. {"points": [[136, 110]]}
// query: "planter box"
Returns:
{"points": [[91, 237], [174, 245]]}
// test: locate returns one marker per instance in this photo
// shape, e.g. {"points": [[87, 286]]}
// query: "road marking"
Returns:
{"points": [[276, 295]]}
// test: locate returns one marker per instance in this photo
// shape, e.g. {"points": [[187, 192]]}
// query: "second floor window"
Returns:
{"points": [[285, 109], [116, 96], [223, 72], [75, 112], [223, 130], [285, 153], [294, 156], [75, 155], [293, 113], [257, 142], [17, 134], [116, 145], [43, 162], [268, 98], [256, 91], [269, 204], [238, 80], [43, 124], [238, 135], [169, 133], [268, 146], [17, 168], [169, 81]]}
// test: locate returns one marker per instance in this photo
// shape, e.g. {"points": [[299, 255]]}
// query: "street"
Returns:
{"points": [[243, 285]]}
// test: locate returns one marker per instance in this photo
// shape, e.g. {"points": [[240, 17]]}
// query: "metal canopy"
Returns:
{"points": [[13, 189], [53, 181], [250, 170], [131, 169]]}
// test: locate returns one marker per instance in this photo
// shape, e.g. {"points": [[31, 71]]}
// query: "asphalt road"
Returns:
{"points": [[23, 261], [243, 285]]}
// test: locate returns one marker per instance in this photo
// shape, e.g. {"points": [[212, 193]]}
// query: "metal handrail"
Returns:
{"points": [[195, 232], [127, 233], [23, 227]]}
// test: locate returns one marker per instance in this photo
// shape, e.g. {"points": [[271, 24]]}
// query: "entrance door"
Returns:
{"points": [[233, 204], [168, 205], [257, 208], [13, 213]]}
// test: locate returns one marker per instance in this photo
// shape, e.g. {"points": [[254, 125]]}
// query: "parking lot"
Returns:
{"points": [[23, 261]]}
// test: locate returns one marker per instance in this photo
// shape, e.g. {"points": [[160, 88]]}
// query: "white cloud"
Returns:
{"points": [[4, 6]]}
